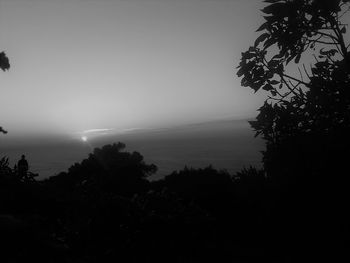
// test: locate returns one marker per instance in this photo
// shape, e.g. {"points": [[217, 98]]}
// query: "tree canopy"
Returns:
{"points": [[296, 29], [108, 169], [302, 61]]}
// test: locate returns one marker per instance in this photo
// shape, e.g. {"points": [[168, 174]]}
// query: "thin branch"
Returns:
{"points": [[279, 94], [276, 99], [325, 43], [330, 58], [282, 75], [326, 35], [317, 40], [307, 74], [298, 80], [301, 75], [347, 10], [315, 57], [292, 84], [341, 38], [287, 85], [337, 46]]}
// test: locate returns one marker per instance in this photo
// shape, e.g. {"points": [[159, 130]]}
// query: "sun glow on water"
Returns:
{"points": [[84, 138]]}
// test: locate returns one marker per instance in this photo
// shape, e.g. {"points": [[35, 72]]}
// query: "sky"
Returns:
{"points": [[80, 65]]}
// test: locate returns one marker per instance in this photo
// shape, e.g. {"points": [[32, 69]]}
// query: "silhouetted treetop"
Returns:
{"points": [[316, 95], [113, 159], [108, 169]]}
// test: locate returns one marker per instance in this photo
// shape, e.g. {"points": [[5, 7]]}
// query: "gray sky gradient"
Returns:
{"points": [[81, 65]]}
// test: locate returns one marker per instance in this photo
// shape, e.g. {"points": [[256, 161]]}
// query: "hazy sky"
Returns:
{"points": [[97, 64]]}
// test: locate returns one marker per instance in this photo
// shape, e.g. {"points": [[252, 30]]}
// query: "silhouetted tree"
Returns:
{"points": [[305, 120], [108, 169], [311, 107]]}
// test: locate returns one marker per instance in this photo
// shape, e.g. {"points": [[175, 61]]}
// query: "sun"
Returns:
{"points": [[84, 138]]}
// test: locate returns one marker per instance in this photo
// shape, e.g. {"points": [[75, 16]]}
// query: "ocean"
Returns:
{"points": [[228, 145]]}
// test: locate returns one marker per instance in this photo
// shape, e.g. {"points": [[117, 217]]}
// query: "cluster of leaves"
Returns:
{"points": [[4, 61], [316, 97]]}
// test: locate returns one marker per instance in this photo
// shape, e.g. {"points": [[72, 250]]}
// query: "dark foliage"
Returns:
{"points": [[27, 217], [305, 119], [107, 170], [190, 216], [4, 61], [207, 187]]}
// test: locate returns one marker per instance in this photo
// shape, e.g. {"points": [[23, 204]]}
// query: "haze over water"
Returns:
{"points": [[226, 145]]}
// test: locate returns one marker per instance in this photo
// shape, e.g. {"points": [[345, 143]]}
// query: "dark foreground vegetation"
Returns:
{"points": [[294, 210], [105, 210]]}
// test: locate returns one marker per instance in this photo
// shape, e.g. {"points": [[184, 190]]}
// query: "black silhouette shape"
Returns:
{"points": [[108, 169], [312, 106], [305, 119], [22, 167], [2, 130], [4, 61]]}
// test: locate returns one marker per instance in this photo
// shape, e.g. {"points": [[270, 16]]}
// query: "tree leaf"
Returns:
{"points": [[274, 8], [261, 38], [324, 53], [269, 43], [273, 92], [267, 87], [262, 27], [240, 72], [297, 59]]}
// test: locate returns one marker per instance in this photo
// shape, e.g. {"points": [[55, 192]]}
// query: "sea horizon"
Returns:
{"points": [[226, 145]]}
